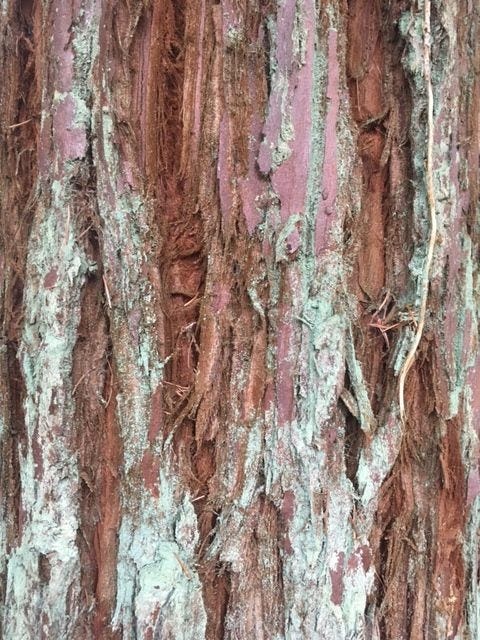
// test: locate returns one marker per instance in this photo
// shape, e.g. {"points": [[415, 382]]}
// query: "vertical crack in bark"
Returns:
{"points": [[186, 182], [98, 440], [180, 60], [106, 531], [20, 104], [179, 223]]}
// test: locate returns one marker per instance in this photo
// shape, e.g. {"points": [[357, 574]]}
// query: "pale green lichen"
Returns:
{"points": [[281, 250], [49, 496], [50, 482], [254, 298], [299, 34], [86, 48], [235, 36], [281, 149], [295, 458], [463, 355], [232, 524], [376, 461], [4, 417], [158, 585], [367, 418], [472, 559]]}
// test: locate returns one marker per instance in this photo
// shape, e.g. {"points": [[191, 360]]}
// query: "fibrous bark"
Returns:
{"points": [[215, 229]]}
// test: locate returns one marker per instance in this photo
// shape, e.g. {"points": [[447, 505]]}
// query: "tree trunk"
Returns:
{"points": [[240, 391]]}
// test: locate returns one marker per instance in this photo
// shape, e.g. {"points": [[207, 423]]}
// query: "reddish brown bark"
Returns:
{"points": [[237, 198]]}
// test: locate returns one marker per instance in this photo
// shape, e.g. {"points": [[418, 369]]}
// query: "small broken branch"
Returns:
{"points": [[19, 124], [107, 292]]}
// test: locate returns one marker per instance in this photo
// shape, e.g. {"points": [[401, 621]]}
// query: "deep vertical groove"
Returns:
{"points": [[98, 440], [19, 117], [172, 138]]}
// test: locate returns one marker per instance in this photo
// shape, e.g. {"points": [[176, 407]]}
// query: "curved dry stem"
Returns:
{"points": [[410, 358]]}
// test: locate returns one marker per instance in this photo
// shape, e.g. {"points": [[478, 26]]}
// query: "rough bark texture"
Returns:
{"points": [[215, 221]]}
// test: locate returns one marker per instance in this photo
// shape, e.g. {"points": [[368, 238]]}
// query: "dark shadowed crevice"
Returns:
{"points": [[353, 444], [179, 223], [354, 436]]}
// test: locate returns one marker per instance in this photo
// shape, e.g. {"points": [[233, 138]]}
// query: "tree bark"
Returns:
{"points": [[239, 386]]}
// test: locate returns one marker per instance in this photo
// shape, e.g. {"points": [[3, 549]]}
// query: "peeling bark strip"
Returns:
{"points": [[218, 223]]}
